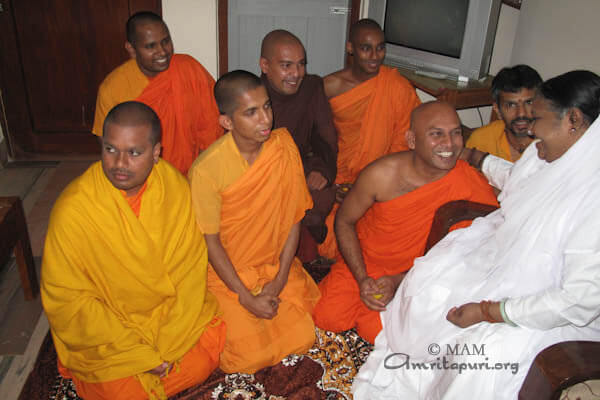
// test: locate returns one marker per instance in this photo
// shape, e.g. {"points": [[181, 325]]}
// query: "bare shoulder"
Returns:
{"points": [[338, 82], [391, 174]]}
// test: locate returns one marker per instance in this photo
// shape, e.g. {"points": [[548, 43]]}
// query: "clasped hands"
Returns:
{"points": [[266, 303], [377, 293]]}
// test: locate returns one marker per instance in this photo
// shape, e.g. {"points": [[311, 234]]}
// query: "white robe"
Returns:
{"points": [[540, 250]]}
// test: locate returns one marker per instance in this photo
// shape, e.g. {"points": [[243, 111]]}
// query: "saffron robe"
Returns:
{"points": [[540, 251], [371, 120], [257, 212], [392, 234], [124, 293], [181, 96], [491, 139]]}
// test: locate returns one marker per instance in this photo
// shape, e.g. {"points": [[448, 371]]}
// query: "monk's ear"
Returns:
{"points": [[225, 122], [410, 139], [264, 65], [130, 49], [349, 49], [156, 152]]}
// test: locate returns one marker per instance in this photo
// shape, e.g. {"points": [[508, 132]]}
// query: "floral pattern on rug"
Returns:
{"points": [[325, 372]]}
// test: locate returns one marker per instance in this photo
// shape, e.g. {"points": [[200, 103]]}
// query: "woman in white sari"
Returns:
{"points": [[526, 276]]}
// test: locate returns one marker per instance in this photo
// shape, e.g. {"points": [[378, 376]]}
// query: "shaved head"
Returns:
{"points": [[138, 19], [423, 112], [363, 24], [134, 113], [230, 86], [276, 38]]}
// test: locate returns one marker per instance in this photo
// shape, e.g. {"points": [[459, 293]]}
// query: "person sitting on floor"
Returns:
{"points": [[176, 86], [521, 279], [371, 106], [513, 90], [384, 221], [124, 272], [299, 104], [250, 194]]}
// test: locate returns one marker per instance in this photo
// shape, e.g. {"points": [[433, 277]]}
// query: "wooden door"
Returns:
{"points": [[53, 56]]}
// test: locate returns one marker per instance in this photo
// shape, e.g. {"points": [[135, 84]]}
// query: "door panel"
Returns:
{"points": [[62, 50], [320, 25]]}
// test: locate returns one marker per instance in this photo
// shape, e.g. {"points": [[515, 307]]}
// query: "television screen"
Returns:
{"points": [[436, 26]]}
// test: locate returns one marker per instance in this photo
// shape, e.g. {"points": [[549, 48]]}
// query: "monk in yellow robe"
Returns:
{"points": [[176, 86], [250, 194], [513, 90], [383, 223], [371, 107], [124, 273]]}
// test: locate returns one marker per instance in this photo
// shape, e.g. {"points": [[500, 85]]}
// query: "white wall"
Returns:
{"points": [[556, 36], [193, 27]]}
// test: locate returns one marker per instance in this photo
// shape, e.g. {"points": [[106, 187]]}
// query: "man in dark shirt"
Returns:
{"points": [[299, 104]]}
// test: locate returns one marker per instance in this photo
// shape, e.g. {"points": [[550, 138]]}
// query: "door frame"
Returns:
{"points": [[223, 26]]}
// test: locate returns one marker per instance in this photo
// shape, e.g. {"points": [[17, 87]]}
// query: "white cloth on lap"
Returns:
{"points": [[541, 250]]}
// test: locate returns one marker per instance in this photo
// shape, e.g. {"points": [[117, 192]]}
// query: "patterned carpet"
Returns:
{"points": [[324, 372]]}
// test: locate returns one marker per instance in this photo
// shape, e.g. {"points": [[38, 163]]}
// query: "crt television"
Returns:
{"points": [[451, 37]]}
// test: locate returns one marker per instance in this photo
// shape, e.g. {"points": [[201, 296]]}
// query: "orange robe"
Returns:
{"points": [[124, 288], [392, 234], [371, 121], [182, 96], [257, 212]]}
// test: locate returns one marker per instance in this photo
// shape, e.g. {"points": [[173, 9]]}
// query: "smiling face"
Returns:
{"points": [[368, 48], [285, 66], [152, 49], [557, 134], [128, 155], [252, 119], [436, 137], [515, 110]]}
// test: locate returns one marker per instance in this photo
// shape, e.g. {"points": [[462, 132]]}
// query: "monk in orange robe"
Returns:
{"points": [[176, 86], [124, 274], [383, 223], [250, 194], [371, 107]]}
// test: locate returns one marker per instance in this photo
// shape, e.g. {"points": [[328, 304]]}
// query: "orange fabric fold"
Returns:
{"points": [[195, 366], [371, 120], [392, 234], [257, 213], [187, 110]]}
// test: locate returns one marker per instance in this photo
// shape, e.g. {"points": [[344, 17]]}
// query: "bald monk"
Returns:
{"points": [[176, 86], [299, 104], [249, 194], [124, 272], [383, 223], [371, 107]]}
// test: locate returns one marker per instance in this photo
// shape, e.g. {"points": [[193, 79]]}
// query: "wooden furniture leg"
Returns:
{"points": [[15, 236]]}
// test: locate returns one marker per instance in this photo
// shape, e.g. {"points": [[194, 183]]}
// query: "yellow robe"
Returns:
{"points": [[124, 294], [491, 139]]}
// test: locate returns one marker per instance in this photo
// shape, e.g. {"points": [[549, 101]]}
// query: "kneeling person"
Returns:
{"points": [[250, 194], [384, 221], [124, 272]]}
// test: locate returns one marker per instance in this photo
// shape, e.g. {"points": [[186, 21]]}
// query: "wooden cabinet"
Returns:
{"points": [[53, 56]]}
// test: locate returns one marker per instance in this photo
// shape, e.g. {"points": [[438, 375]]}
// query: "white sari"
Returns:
{"points": [[541, 250]]}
